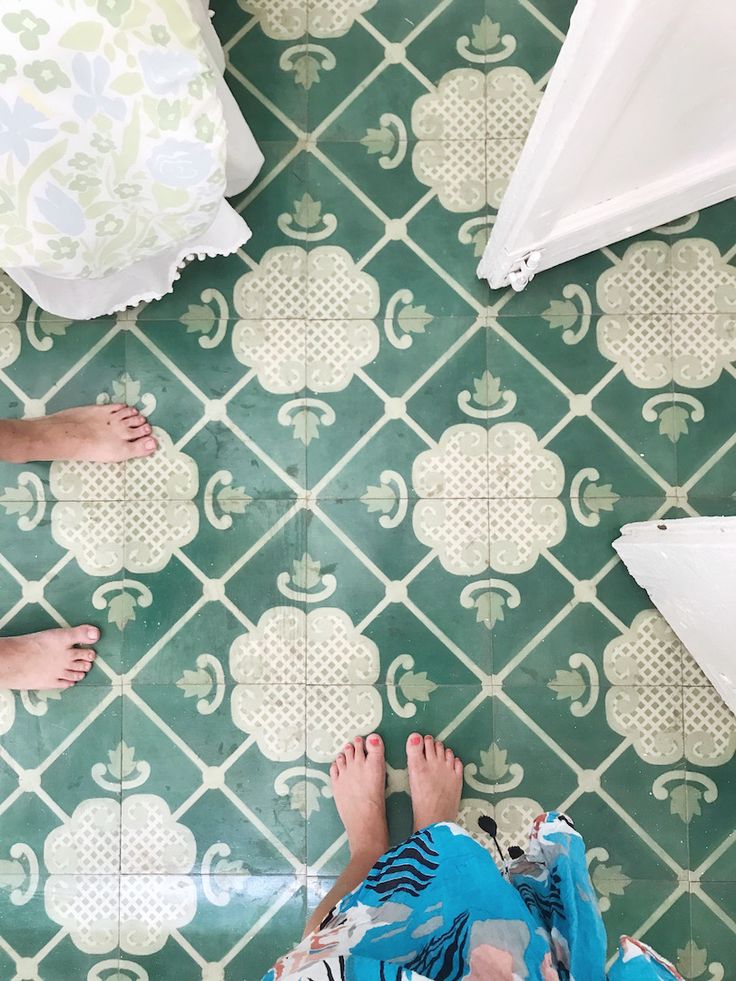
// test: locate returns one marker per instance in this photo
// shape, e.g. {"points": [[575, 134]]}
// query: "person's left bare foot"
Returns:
{"points": [[359, 785]]}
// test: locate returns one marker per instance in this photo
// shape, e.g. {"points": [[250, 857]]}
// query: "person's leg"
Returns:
{"points": [[358, 781], [47, 659], [95, 433], [359, 786]]}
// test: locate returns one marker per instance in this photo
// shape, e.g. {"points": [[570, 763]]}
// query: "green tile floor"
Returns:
{"points": [[385, 499]]}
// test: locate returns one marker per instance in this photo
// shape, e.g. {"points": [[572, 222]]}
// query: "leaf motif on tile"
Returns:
{"points": [[588, 498], [573, 684], [409, 319], [19, 873], [608, 880], [414, 686], [483, 401], [391, 493], [27, 500], [128, 596], [305, 416], [306, 61], [389, 141], [127, 389], [37, 702], [305, 788], [692, 963], [482, 46], [476, 232], [200, 318], [307, 214], [208, 679], [489, 598], [565, 314], [499, 776], [222, 876], [673, 412], [47, 324], [687, 790], [308, 582], [122, 770], [230, 500]]}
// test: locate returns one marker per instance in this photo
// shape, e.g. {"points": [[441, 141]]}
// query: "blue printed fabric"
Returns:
{"points": [[436, 908]]}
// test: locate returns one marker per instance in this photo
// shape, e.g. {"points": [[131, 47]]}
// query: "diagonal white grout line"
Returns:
{"points": [[275, 468], [535, 641], [266, 537], [238, 386], [246, 259], [51, 804], [264, 100], [552, 28], [541, 734], [383, 603], [84, 360], [174, 629], [697, 890], [542, 368], [355, 93], [602, 768], [263, 828], [358, 192], [71, 737], [327, 854], [653, 475], [51, 944], [349, 544], [448, 643], [709, 463], [420, 431], [642, 833], [447, 354], [15, 389], [269, 178], [444, 275], [356, 448], [10, 951], [265, 918], [611, 256], [143, 706], [165, 360], [715, 854], [557, 429], [239, 35], [10, 799], [419, 28], [237, 753], [188, 948], [189, 435], [467, 710], [656, 916]]}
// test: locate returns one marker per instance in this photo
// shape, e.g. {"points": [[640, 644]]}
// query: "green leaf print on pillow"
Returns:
{"points": [[114, 10], [29, 28], [47, 76]]}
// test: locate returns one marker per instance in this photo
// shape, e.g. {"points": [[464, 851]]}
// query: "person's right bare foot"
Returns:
{"points": [[95, 433], [435, 781], [47, 659], [359, 786]]}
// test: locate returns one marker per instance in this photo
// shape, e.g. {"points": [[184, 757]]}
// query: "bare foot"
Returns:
{"points": [[96, 433], [47, 659], [435, 781], [359, 785]]}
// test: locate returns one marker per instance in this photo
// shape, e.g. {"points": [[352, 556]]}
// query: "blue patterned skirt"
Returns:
{"points": [[437, 907]]}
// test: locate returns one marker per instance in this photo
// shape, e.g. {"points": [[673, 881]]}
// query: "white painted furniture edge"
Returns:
{"points": [[601, 33], [688, 567]]}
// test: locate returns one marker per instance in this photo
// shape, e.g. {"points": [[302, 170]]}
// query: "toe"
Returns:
{"points": [[340, 762], [414, 746], [133, 422], [124, 412], [429, 747], [449, 755], [458, 767], [83, 635], [85, 654], [334, 771], [359, 745], [439, 749], [374, 745], [70, 675], [142, 447], [80, 665], [349, 752]]}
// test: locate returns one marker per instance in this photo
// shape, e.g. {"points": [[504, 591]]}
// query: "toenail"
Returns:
{"points": [[150, 444], [415, 740], [374, 740], [93, 634]]}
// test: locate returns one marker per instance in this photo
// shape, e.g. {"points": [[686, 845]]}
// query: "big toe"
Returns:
{"points": [[414, 748], [82, 635], [144, 446]]}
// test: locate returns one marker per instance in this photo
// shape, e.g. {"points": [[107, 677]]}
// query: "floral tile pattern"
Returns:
{"points": [[385, 499]]}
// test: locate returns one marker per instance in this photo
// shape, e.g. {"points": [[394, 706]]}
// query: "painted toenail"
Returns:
{"points": [[415, 740], [374, 741]]}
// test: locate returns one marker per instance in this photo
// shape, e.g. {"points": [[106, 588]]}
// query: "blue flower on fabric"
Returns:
{"points": [[19, 127], [92, 76], [179, 163], [165, 71], [61, 210]]}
